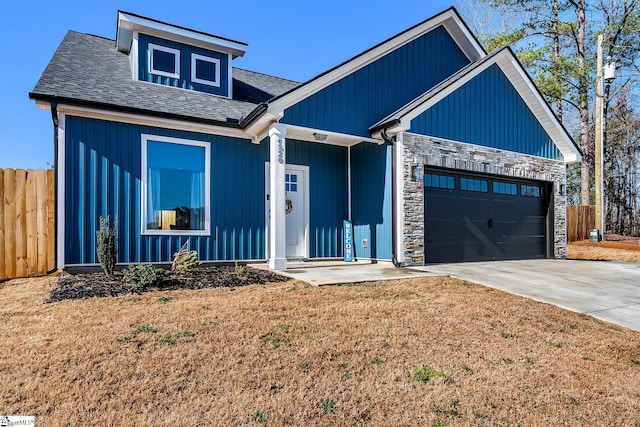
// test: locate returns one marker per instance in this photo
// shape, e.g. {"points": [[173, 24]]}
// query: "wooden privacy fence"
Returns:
{"points": [[26, 222], [579, 220]]}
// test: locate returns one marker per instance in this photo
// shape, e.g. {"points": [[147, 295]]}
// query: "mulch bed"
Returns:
{"points": [[90, 285]]}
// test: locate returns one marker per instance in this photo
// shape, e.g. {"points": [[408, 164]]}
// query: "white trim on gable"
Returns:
{"points": [[229, 76], [128, 22], [520, 81], [449, 19], [133, 57]]}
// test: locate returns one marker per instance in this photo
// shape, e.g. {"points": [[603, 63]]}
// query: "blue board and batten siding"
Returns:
{"points": [[371, 200], [328, 190], [103, 177], [184, 81], [487, 111], [359, 100]]}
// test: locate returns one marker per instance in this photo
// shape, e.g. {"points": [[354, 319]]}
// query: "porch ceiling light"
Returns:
{"points": [[320, 136]]}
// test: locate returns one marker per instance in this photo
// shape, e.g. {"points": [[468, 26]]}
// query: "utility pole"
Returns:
{"points": [[601, 80], [599, 131]]}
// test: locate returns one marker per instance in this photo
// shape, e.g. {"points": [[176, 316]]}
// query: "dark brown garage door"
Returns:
{"points": [[483, 218]]}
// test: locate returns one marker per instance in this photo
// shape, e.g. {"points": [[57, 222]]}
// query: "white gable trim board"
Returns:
{"points": [[449, 19], [129, 23], [520, 81]]}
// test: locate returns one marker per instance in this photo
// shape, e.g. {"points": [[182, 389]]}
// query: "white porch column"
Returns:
{"points": [[277, 224]]}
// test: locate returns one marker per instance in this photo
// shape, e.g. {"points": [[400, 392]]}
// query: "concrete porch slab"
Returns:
{"points": [[321, 273]]}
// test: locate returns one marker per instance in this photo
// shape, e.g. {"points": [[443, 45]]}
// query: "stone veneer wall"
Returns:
{"points": [[472, 158]]}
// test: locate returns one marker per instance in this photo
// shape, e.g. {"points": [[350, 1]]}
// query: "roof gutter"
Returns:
{"points": [[56, 123], [384, 126], [254, 115], [386, 138]]}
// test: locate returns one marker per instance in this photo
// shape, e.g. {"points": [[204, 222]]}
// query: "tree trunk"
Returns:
{"points": [[583, 96], [556, 51]]}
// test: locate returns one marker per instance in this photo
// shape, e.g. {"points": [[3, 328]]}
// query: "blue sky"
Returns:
{"points": [[287, 38]]}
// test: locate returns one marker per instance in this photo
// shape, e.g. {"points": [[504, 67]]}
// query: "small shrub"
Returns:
{"points": [[106, 245], [426, 373], [241, 270], [141, 276], [186, 262]]}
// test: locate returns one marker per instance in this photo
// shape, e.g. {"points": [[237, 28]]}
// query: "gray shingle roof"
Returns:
{"points": [[89, 70]]}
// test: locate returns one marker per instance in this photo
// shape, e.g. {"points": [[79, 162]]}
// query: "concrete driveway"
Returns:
{"points": [[606, 290]]}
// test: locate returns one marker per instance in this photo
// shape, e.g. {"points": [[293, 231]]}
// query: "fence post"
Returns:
{"points": [[10, 222], [21, 224], [32, 224], [3, 238]]}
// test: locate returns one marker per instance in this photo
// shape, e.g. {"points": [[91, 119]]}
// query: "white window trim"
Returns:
{"points": [[194, 79], [207, 186], [175, 52]]}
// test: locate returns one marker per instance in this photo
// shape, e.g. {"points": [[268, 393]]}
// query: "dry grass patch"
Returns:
{"points": [[622, 251], [415, 352]]}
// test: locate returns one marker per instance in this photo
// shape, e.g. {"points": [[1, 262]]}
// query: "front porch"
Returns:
{"points": [[314, 180]]}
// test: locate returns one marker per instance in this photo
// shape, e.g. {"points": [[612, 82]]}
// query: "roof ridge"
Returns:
{"points": [[91, 35], [181, 27], [265, 74]]}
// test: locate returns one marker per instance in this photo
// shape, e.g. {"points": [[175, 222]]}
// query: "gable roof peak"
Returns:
{"points": [[129, 22], [450, 19]]}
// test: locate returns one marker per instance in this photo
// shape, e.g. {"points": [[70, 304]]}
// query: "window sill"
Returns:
{"points": [[206, 233]]}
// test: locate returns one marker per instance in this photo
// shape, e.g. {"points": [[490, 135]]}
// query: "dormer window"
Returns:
{"points": [[164, 61], [205, 70]]}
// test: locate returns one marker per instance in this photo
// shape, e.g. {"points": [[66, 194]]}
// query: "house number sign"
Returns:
{"points": [[281, 151]]}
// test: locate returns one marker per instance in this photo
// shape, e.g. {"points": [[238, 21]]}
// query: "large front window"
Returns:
{"points": [[175, 176]]}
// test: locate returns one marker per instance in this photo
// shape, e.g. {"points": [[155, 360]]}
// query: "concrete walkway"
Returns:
{"points": [[339, 272], [606, 290]]}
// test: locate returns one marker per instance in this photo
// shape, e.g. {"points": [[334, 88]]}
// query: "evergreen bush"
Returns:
{"points": [[187, 262], [141, 276], [106, 245]]}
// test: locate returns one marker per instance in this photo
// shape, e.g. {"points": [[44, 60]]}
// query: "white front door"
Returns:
{"points": [[296, 209]]}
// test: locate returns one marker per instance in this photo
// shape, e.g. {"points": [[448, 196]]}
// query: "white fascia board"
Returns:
{"points": [[539, 107], [448, 19], [465, 40], [525, 88], [178, 34], [138, 119], [259, 129], [333, 138]]}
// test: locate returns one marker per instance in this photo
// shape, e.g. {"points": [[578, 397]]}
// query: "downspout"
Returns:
{"points": [[386, 138], [54, 118]]}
